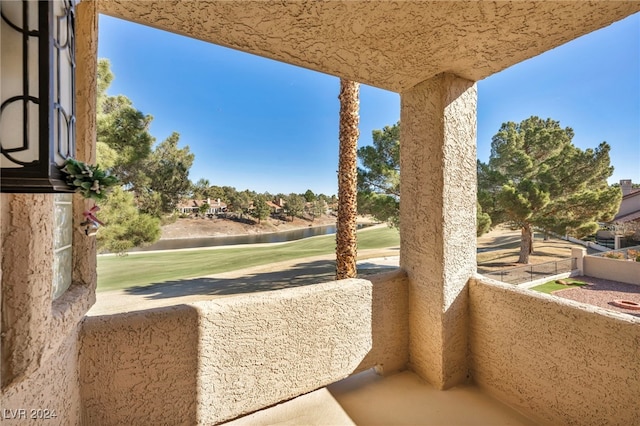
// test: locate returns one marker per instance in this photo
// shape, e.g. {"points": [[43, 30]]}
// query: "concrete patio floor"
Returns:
{"points": [[399, 399]]}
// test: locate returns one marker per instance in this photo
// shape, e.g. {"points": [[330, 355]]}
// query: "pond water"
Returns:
{"points": [[275, 237]]}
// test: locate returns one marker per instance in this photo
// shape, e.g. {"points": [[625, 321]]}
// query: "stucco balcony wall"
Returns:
{"points": [[211, 361], [623, 271], [50, 394], [556, 361]]}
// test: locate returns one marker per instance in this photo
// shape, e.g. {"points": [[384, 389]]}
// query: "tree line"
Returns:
{"points": [[252, 204], [154, 177], [536, 178]]}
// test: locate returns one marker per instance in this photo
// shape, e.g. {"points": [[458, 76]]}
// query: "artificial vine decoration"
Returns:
{"points": [[91, 181], [91, 222]]}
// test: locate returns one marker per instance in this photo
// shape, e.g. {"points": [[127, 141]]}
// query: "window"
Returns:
{"points": [[62, 243]]}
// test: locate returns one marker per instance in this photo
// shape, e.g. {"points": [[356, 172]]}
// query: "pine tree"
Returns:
{"points": [[125, 226], [379, 176], [537, 178], [168, 171], [261, 209]]}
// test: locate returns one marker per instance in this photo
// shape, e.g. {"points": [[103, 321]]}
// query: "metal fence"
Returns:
{"points": [[606, 242], [530, 273]]}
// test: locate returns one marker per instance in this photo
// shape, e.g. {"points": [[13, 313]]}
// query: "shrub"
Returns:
{"points": [[125, 227], [614, 255], [633, 255]]}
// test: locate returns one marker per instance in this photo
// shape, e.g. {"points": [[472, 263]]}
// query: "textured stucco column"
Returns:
{"points": [[34, 327], [27, 258], [437, 222], [84, 259], [578, 253]]}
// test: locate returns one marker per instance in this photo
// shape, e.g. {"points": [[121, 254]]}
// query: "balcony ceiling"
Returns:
{"points": [[391, 45]]}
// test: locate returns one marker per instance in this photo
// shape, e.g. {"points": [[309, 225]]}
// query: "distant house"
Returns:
{"points": [[276, 206], [188, 207], [630, 206], [624, 229], [216, 206], [193, 206]]}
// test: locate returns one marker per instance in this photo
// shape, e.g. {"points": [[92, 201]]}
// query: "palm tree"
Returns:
{"points": [[346, 244]]}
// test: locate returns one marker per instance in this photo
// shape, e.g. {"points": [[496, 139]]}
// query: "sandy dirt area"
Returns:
{"points": [[204, 227], [602, 293], [499, 248]]}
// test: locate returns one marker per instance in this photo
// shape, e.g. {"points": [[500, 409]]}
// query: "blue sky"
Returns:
{"points": [[262, 125]]}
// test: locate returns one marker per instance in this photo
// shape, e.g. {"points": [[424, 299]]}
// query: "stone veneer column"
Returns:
{"points": [[437, 222]]}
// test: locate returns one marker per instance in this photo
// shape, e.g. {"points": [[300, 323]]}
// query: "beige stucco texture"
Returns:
{"points": [[141, 368], [602, 267], [438, 162], [559, 362], [389, 324], [40, 335], [211, 361], [392, 45], [50, 395], [27, 303]]}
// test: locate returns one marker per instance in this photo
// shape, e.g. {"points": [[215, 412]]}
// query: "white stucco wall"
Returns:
{"points": [[211, 361], [557, 361]]}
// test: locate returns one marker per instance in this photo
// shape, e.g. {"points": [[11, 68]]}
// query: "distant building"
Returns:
{"points": [[624, 229], [630, 205], [193, 206], [276, 206]]}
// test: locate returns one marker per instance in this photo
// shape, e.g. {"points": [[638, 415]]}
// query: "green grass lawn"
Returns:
{"points": [[552, 286], [118, 272]]}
